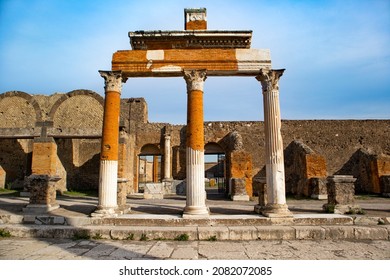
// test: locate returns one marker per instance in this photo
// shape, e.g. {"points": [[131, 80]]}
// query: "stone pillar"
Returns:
{"points": [[167, 157], [196, 194], [276, 206], [122, 182], [261, 182], [41, 184], [108, 178], [155, 169]]}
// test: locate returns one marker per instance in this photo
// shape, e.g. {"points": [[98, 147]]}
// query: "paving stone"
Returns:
{"points": [[100, 250], [160, 250], [222, 250], [185, 253]]}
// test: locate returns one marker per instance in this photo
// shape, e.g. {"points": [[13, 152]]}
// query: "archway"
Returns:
{"points": [[215, 168], [149, 166]]}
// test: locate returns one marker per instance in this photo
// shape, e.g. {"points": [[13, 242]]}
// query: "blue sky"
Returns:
{"points": [[336, 54]]}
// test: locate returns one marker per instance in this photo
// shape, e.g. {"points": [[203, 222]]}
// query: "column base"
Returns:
{"points": [[196, 212], [40, 208], [106, 212], [277, 211]]}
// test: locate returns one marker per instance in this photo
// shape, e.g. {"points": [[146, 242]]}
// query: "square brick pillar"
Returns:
{"points": [[341, 194], [41, 183]]}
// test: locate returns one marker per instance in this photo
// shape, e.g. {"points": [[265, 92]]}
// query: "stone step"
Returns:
{"points": [[177, 220], [273, 232]]}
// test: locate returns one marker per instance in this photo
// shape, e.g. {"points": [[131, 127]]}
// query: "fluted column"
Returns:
{"points": [[276, 206], [107, 204], [167, 157], [196, 194]]}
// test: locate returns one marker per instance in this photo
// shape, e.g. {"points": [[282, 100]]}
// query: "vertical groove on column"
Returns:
{"points": [[108, 184]]}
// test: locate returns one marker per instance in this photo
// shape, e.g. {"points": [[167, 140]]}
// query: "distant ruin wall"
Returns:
{"points": [[74, 120]]}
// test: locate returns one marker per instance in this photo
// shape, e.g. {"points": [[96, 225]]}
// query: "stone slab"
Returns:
{"points": [[275, 233], [339, 232], [306, 232], [220, 233], [242, 232], [371, 233]]}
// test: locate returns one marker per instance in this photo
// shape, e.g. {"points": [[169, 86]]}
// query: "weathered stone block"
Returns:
{"points": [[122, 192], [339, 232], [385, 185], [363, 220], [262, 193], [242, 233], [275, 233], [241, 167], [304, 232], [380, 167], [154, 191], [44, 158], [317, 188], [371, 233], [42, 193], [239, 189], [220, 233], [341, 194]]}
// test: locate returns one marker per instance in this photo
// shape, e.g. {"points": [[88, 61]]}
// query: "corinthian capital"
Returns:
{"points": [[113, 80], [269, 78], [194, 79]]}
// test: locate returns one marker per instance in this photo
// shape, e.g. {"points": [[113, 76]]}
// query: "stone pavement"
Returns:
{"points": [[66, 249]]}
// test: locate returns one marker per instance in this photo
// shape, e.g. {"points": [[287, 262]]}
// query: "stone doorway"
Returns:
{"points": [[149, 167], [215, 170]]}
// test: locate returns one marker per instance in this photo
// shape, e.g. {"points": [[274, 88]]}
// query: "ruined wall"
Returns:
{"points": [[74, 120], [68, 118]]}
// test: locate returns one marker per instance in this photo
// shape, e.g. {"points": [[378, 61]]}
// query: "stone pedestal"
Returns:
{"points": [[122, 196], [154, 191], [317, 188], [42, 193], [239, 189], [262, 193], [276, 206], [341, 194]]}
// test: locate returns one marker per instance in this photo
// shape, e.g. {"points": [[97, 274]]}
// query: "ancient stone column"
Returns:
{"points": [[276, 206], [167, 157], [196, 194], [155, 169], [122, 182], [110, 138]]}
